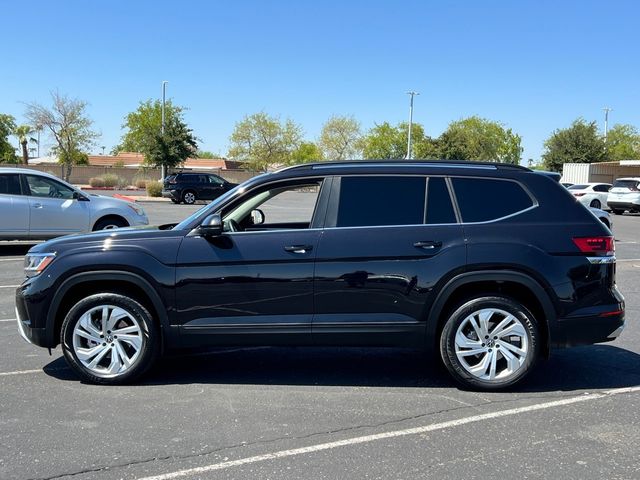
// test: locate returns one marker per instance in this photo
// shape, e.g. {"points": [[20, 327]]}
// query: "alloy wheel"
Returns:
{"points": [[107, 340], [491, 344]]}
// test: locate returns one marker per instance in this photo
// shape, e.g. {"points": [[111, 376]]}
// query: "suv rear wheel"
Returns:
{"points": [[109, 339], [189, 197], [490, 343]]}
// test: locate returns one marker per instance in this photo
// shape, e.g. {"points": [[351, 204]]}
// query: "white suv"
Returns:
{"points": [[36, 206], [625, 195]]}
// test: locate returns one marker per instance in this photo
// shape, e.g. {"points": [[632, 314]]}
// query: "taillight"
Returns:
{"points": [[595, 245], [578, 194], [173, 181]]}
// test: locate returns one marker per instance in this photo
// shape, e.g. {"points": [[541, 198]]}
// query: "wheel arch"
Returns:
{"points": [[83, 284], [518, 285], [110, 216]]}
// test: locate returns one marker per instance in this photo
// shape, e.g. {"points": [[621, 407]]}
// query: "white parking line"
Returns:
{"points": [[9, 286], [8, 320], [393, 434], [20, 372], [14, 259], [629, 260]]}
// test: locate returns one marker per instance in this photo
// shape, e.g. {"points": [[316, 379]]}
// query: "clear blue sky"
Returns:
{"points": [[533, 65]]}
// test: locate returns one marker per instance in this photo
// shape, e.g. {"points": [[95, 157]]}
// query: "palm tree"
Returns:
{"points": [[23, 132]]}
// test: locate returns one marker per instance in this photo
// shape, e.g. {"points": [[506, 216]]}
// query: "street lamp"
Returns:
{"points": [[606, 122], [412, 94], [164, 91]]}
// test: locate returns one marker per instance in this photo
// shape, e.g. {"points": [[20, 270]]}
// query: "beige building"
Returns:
{"points": [[605, 172]]}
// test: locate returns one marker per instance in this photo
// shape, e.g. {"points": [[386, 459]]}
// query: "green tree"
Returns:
{"points": [[385, 141], [623, 143], [7, 127], [262, 141], [207, 154], [174, 147], [142, 125], [341, 138], [476, 138], [144, 134], [306, 152], [68, 123], [580, 143], [23, 132]]}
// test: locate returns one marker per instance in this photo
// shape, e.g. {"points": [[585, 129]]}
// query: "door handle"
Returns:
{"points": [[298, 248], [428, 245], [37, 205]]}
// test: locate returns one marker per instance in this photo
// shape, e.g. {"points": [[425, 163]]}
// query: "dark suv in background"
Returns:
{"points": [[491, 265], [188, 187]]}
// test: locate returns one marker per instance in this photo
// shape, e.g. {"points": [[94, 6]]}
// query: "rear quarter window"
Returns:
{"points": [[484, 199], [630, 184]]}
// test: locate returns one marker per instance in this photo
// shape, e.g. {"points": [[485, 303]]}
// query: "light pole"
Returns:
{"points": [[606, 122], [412, 94], [163, 171]]}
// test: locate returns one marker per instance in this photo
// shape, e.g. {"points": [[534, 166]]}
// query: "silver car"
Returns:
{"points": [[36, 206]]}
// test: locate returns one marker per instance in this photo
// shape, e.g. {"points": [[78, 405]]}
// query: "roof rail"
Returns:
{"points": [[406, 163]]}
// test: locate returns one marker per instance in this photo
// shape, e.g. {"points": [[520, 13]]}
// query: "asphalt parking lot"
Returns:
{"points": [[320, 412]]}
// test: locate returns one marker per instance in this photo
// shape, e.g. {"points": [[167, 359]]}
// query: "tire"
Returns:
{"points": [[480, 371], [83, 329], [189, 197], [177, 202], [617, 211], [109, 223], [595, 203]]}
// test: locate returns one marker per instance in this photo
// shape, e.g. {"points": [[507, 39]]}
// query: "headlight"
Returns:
{"points": [[35, 263], [137, 209]]}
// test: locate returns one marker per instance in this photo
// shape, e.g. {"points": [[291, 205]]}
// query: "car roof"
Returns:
{"points": [[34, 172], [636, 179]]}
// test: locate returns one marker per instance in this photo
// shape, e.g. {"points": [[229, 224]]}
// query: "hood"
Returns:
{"points": [[122, 236]]}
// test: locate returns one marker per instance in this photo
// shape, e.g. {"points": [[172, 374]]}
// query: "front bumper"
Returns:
{"points": [[34, 336]]}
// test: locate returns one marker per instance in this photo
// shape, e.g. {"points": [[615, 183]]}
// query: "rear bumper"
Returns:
{"points": [[623, 205], [172, 194], [597, 324]]}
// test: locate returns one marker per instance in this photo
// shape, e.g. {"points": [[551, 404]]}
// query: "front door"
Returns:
{"points": [[254, 283], [386, 244], [54, 211]]}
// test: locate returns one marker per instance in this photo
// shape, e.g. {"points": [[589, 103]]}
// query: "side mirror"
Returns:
{"points": [[257, 217], [80, 197], [211, 226]]}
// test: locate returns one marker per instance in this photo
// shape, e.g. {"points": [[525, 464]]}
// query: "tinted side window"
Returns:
{"points": [[482, 199], [379, 200], [439, 207], [215, 180], [602, 188], [9, 184]]}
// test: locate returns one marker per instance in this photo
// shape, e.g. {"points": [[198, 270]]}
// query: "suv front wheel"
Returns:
{"points": [[109, 339], [490, 343]]}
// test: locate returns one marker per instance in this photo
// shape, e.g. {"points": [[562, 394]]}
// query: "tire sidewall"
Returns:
{"points": [[447, 341], [149, 330]]}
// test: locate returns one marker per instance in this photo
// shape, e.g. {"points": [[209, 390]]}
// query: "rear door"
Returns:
{"points": [[387, 241], [54, 211], [14, 207]]}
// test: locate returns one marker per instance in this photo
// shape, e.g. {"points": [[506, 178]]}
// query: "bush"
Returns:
{"points": [[154, 189], [96, 182], [110, 180], [141, 183], [122, 183]]}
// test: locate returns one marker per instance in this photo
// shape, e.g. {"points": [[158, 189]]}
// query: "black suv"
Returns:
{"points": [[192, 186], [492, 265]]}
